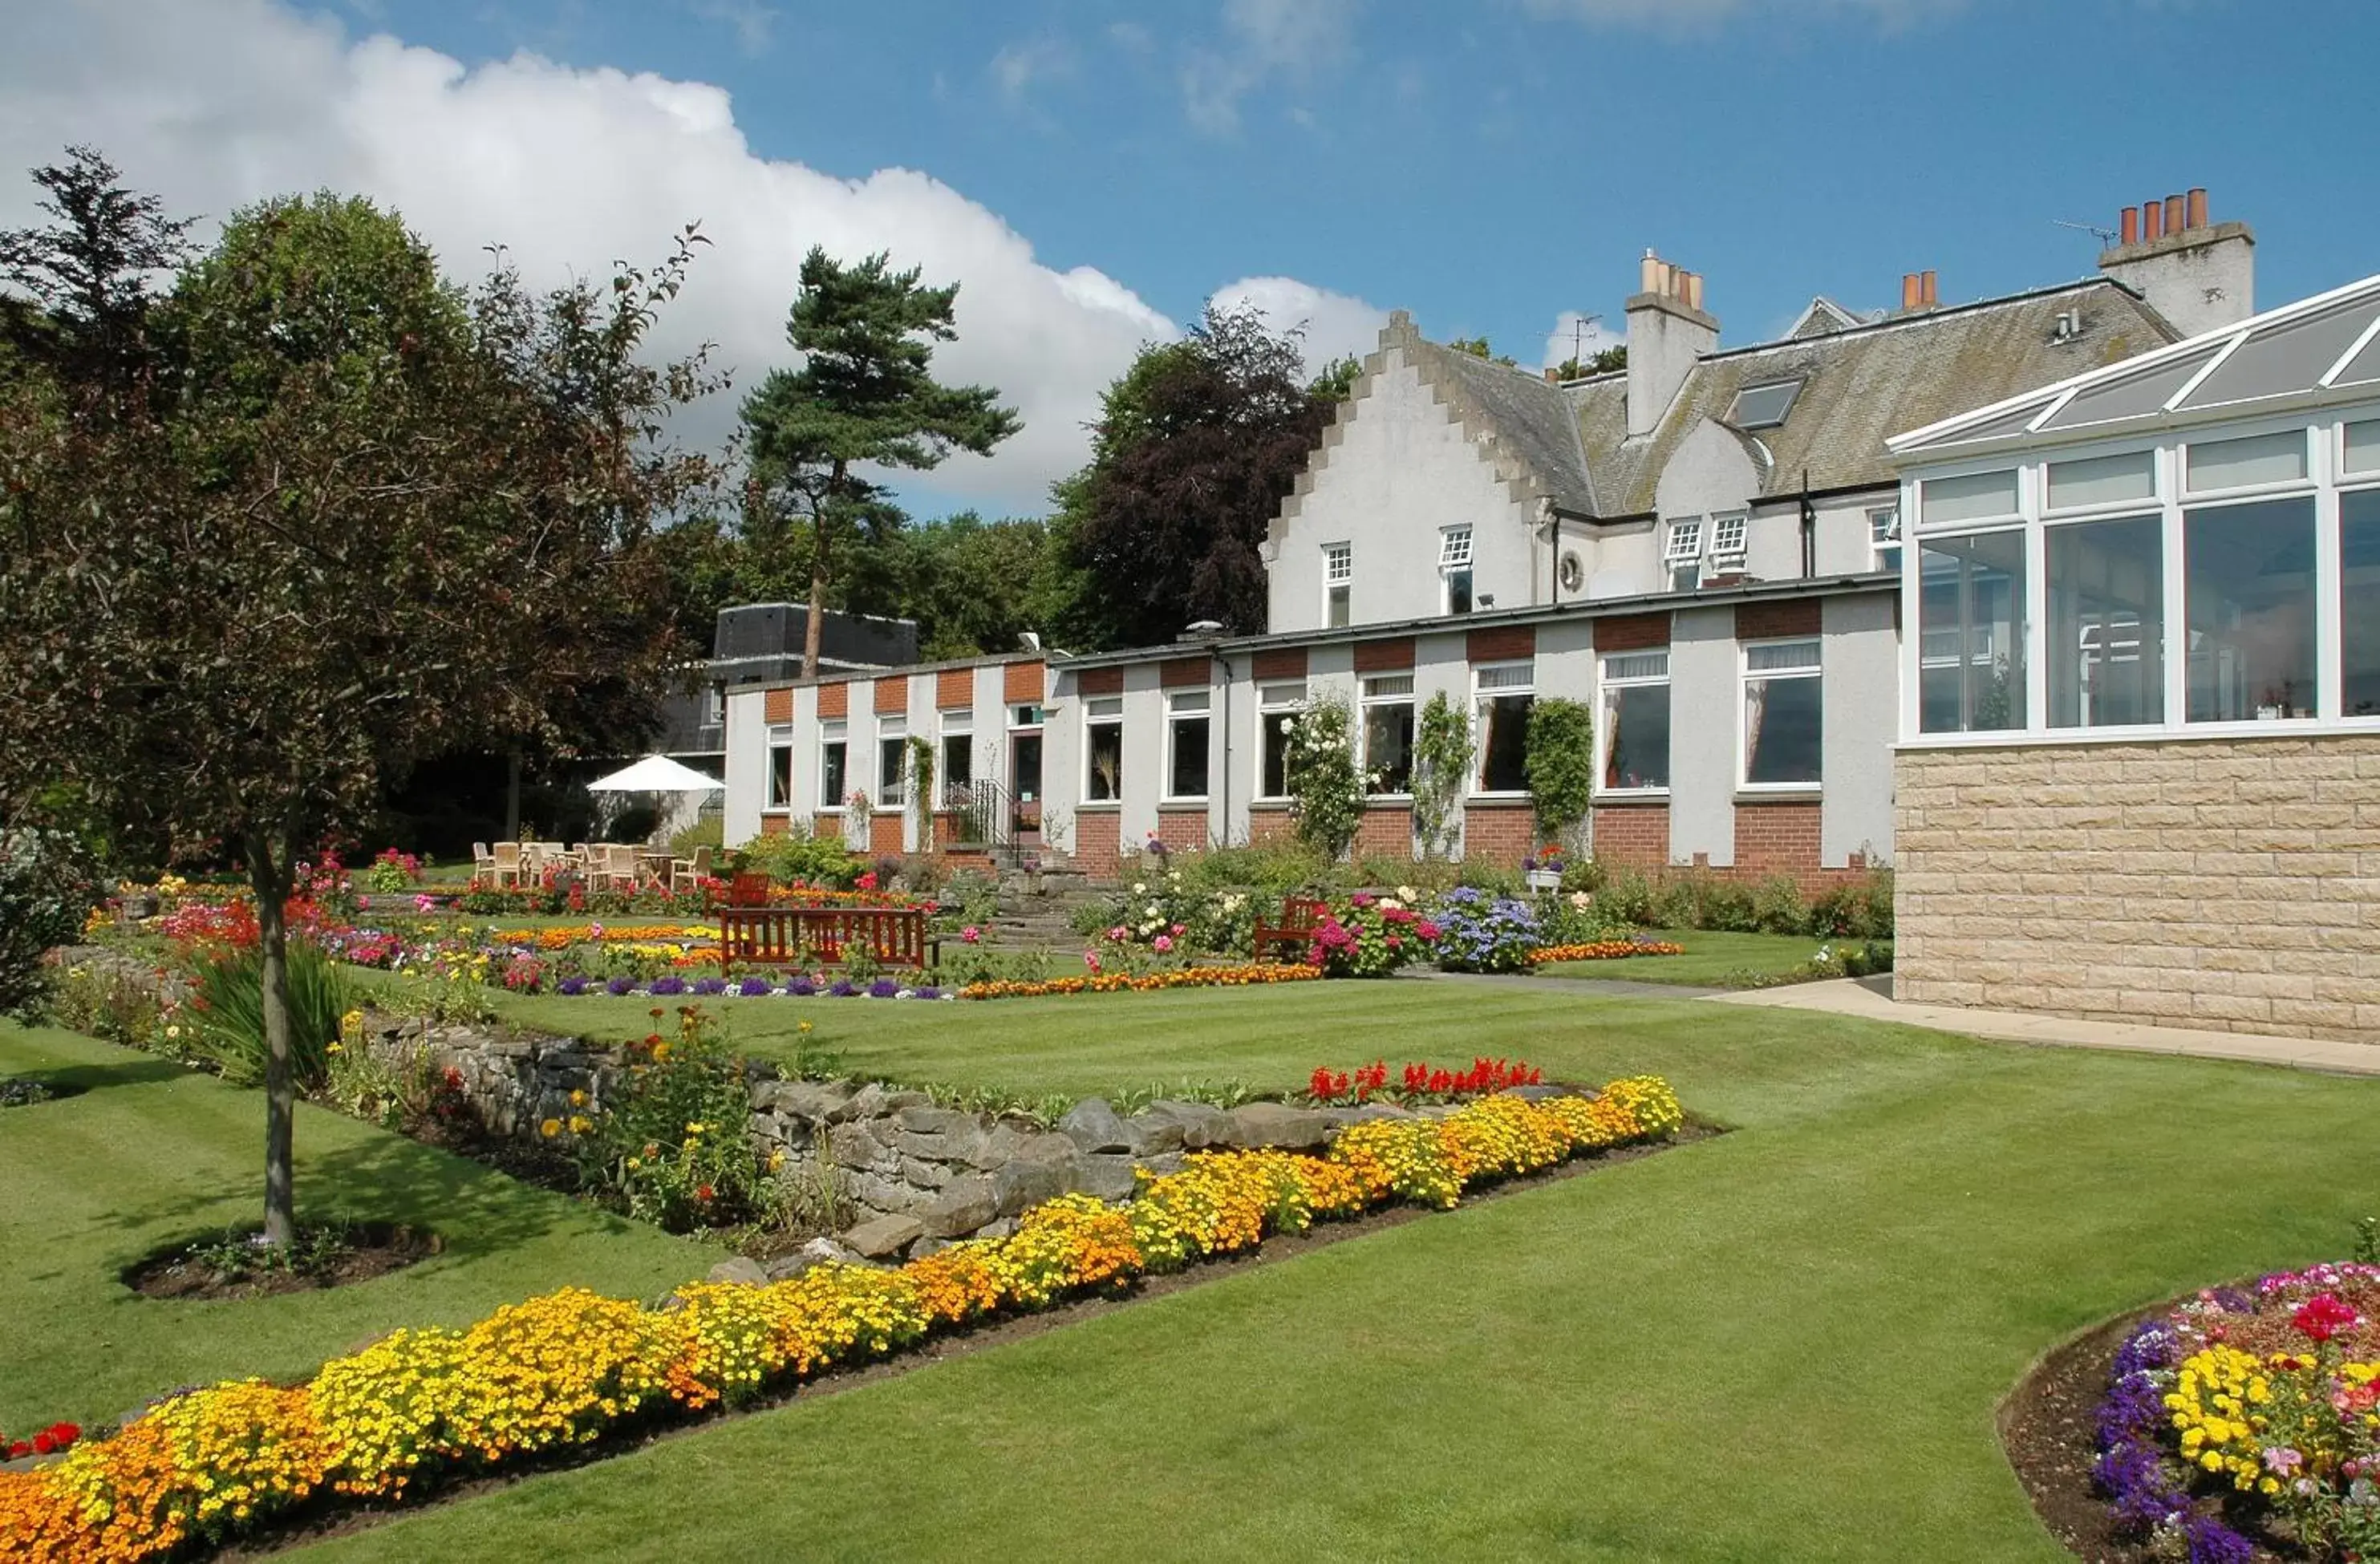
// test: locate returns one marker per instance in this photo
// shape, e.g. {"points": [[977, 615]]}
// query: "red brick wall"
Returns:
{"points": [[1795, 616], [834, 700], [891, 695], [1022, 681], [777, 706], [826, 825], [1097, 843], [1498, 833], [1384, 656], [884, 835], [1177, 672], [1636, 835], [1100, 681], [968, 862], [1385, 829], [1271, 823], [1509, 642], [1183, 831], [954, 689], [1783, 835], [1282, 662], [775, 825], [1631, 632]]}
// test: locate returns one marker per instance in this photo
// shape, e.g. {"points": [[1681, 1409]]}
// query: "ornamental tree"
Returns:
{"points": [[864, 395], [379, 518]]}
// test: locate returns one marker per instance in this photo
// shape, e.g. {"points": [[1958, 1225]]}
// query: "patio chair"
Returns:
{"points": [[506, 869], [686, 873], [483, 865], [618, 871]]}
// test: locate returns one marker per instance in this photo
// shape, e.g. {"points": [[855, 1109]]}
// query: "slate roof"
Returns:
{"points": [[1529, 415], [2326, 347], [1862, 386]]}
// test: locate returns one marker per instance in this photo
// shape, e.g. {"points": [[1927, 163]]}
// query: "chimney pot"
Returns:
{"points": [[1909, 290], [2131, 223], [2194, 215], [2176, 210], [1553, 374], [1927, 286], [1648, 274], [2152, 221], [1695, 290]]}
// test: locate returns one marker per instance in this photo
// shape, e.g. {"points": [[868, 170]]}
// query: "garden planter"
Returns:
{"points": [[1544, 880]]}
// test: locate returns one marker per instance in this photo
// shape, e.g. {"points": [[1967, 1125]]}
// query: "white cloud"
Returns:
{"points": [[215, 104], [1336, 324], [1264, 39], [753, 24], [1016, 68], [1579, 336], [1707, 16]]}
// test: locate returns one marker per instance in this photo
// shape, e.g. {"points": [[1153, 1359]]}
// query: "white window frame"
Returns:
{"points": [[1274, 698], [1681, 548], [1102, 711], [1606, 682], [1745, 674], [1882, 534], [1482, 693], [1368, 698], [957, 722], [1454, 559], [1338, 575], [1727, 524], [1180, 707], [781, 742], [893, 792], [834, 731]]}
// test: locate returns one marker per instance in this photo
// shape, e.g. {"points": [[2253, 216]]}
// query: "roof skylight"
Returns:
{"points": [[1764, 406]]}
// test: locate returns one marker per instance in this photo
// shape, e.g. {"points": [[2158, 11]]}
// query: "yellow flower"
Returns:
{"points": [[635, 1163], [577, 1099], [803, 1027], [693, 1127], [549, 1128], [580, 1123]]}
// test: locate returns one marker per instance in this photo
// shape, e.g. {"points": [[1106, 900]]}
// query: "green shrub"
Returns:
{"points": [[49, 883], [673, 1144], [1275, 869], [710, 832], [1778, 907], [1560, 763], [229, 1006], [1625, 896], [797, 855], [1861, 909]]}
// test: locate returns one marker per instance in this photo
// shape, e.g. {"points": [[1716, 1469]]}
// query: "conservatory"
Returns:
{"points": [[2140, 763]]}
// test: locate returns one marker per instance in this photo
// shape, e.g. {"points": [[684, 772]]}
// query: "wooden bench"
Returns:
{"points": [[777, 935], [1293, 935]]}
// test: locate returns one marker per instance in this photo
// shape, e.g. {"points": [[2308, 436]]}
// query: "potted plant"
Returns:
{"points": [[1543, 868]]}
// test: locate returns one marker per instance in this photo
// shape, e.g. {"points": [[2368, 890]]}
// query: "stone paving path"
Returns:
{"points": [[1870, 999]]}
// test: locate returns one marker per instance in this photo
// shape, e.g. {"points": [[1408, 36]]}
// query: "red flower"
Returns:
{"points": [[702, 1193], [866, 881], [2324, 1316]]}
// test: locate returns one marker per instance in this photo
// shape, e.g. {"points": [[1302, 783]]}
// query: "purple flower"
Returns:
{"points": [[2212, 1542], [710, 985], [572, 986], [802, 986], [842, 988], [619, 986], [667, 986], [753, 988], [928, 992], [884, 988]]}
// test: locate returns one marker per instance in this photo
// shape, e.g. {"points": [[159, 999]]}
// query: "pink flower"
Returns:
{"points": [[866, 881], [1163, 943], [425, 903], [1119, 934], [1426, 930], [1178, 930], [1091, 960], [1360, 899], [1396, 944], [2324, 1316], [971, 934]]}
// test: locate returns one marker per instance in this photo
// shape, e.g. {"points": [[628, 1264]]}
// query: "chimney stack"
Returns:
{"points": [[1666, 331], [1918, 292], [2197, 273]]}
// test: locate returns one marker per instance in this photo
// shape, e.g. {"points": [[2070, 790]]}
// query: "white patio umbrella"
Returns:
{"points": [[655, 773]]}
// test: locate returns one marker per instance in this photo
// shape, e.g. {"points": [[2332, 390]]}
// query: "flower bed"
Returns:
{"points": [[799, 985], [569, 1368], [1421, 1083], [1606, 950], [2251, 1411], [1127, 982]]}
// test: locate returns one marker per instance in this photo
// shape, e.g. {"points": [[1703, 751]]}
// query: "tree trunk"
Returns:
{"points": [[268, 877], [820, 531]]}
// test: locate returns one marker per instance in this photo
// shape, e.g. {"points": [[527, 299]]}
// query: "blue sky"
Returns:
{"points": [[1095, 171]]}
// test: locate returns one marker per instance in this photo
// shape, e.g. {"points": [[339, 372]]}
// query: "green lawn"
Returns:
{"points": [[1785, 1343], [1712, 959], [152, 1153]]}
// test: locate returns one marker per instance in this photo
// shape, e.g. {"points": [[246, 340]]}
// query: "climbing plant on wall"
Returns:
{"points": [[1325, 790], [1560, 763], [1443, 752]]}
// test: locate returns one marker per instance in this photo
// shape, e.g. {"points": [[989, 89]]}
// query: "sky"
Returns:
{"points": [[1090, 174]]}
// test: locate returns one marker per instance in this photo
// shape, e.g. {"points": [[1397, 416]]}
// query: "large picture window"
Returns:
{"points": [[958, 751], [2248, 584], [1971, 634], [1025, 752], [1276, 707], [1103, 748], [1388, 734], [1187, 725], [834, 744], [2358, 603], [2106, 622], [1503, 695], [1636, 722], [1784, 714]]}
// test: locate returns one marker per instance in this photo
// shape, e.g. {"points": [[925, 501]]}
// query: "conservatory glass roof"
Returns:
{"points": [[2328, 342]]}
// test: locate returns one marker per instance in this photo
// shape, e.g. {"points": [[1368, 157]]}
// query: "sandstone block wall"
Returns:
{"points": [[2231, 884]]}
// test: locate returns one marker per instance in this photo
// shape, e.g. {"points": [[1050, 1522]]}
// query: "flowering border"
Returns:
{"points": [[1606, 950], [1251, 975], [570, 1368]]}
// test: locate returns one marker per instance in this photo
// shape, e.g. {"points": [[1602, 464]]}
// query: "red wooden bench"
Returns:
{"points": [[1293, 935], [778, 936]]}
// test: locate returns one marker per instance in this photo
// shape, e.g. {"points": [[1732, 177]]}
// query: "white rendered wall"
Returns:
{"points": [[1706, 709], [1862, 718], [747, 739]]}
